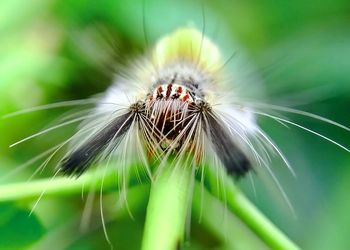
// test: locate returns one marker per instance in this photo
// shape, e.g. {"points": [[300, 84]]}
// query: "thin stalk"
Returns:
{"points": [[253, 218], [249, 214], [59, 186], [167, 209], [226, 228]]}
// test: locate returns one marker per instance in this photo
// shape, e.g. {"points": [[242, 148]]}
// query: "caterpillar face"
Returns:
{"points": [[170, 105]]}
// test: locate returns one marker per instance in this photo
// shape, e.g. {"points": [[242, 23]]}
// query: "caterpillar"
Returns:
{"points": [[173, 113], [180, 103]]}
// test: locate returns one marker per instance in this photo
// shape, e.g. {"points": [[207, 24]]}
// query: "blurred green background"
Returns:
{"points": [[297, 51]]}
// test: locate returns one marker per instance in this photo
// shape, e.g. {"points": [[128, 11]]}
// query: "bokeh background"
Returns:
{"points": [[298, 52]]}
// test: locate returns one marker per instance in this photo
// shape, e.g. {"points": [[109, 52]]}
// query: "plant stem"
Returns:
{"points": [[264, 228], [253, 218], [167, 209], [58, 186], [213, 215]]}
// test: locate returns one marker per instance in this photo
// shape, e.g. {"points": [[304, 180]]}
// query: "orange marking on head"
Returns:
{"points": [[186, 97]]}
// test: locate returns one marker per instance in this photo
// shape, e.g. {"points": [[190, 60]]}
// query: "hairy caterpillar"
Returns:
{"points": [[177, 101], [173, 113]]}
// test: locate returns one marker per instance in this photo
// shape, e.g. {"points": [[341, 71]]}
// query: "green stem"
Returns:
{"points": [[213, 215], [58, 186], [167, 209], [264, 228], [252, 217]]}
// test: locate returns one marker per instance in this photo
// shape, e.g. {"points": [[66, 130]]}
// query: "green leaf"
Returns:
{"points": [[18, 229]]}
